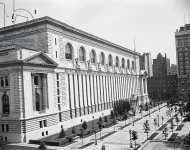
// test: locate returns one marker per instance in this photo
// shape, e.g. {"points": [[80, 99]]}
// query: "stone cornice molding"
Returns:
{"points": [[54, 22]]}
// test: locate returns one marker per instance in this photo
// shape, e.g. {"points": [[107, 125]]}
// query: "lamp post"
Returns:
{"points": [[81, 132]]}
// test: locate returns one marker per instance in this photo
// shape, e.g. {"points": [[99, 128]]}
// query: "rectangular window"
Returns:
{"points": [[55, 41], [46, 132], [7, 128], [59, 107], [6, 81], [41, 125], [58, 92], [36, 80], [42, 133], [60, 117], [45, 123], [57, 75], [2, 82], [58, 99], [2, 128], [57, 83], [56, 54]]}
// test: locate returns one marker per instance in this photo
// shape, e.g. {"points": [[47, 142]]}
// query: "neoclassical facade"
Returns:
{"points": [[53, 75]]}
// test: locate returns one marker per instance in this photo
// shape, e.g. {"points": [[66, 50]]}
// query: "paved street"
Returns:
{"points": [[118, 140]]}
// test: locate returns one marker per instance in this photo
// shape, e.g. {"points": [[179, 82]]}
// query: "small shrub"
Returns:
{"points": [[105, 119], [84, 125], [73, 130], [42, 146]]}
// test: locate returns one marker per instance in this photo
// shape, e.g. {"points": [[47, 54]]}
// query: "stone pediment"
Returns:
{"points": [[40, 59]]}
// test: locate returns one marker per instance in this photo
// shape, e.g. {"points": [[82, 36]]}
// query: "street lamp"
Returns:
{"points": [[81, 132]]}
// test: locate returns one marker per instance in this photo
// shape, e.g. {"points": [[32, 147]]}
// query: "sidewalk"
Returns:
{"points": [[111, 138]]}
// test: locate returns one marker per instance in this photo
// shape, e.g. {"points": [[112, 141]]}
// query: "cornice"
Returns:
{"points": [[66, 27]]}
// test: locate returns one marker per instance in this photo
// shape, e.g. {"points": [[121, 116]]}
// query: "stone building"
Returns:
{"points": [[53, 75], [160, 66], [182, 37], [162, 85], [146, 63]]}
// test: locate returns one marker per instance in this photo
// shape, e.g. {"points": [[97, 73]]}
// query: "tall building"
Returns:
{"points": [[53, 75], [146, 63], [182, 37], [160, 66], [162, 86]]}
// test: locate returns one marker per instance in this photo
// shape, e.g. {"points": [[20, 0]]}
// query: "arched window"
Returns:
{"points": [[93, 56], [82, 54], [117, 61], [133, 65], [102, 58], [68, 51], [5, 104], [128, 64], [37, 101], [123, 63], [110, 60]]}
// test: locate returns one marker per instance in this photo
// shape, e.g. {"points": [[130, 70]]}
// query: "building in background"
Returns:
{"points": [[173, 69], [53, 75], [162, 86], [146, 64], [182, 37], [160, 66]]}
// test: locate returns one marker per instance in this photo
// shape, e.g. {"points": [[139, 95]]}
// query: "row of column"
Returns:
{"points": [[89, 93]]}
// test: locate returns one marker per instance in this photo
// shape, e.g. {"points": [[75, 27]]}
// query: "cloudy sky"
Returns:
{"points": [[152, 23]]}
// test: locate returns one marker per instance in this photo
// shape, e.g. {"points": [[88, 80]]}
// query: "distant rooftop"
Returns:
{"points": [[184, 28]]}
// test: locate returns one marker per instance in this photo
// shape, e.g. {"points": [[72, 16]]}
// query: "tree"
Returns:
{"points": [[146, 127], [73, 130], [112, 115], [165, 132], [62, 133], [134, 137], [84, 125], [177, 119], [42, 146], [106, 119], [172, 125]]}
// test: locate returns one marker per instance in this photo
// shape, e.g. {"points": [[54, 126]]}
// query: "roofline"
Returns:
{"points": [[67, 27]]}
